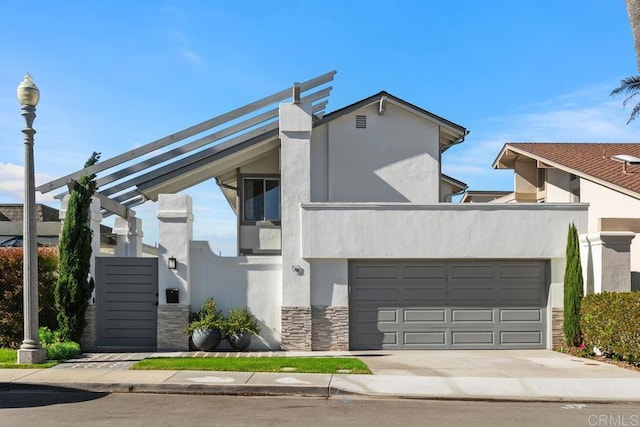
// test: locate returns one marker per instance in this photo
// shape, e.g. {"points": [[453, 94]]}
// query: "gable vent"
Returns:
{"points": [[361, 122]]}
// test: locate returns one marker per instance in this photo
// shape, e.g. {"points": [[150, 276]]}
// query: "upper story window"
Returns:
{"points": [[261, 199]]}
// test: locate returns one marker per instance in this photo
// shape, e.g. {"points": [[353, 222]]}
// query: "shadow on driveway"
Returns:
{"points": [[31, 396]]}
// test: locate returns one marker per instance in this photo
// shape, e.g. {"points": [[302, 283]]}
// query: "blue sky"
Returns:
{"points": [[114, 75]]}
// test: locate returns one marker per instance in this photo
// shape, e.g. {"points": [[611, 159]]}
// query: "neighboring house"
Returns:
{"points": [[480, 196], [49, 227], [346, 237], [604, 175], [47, 223]]}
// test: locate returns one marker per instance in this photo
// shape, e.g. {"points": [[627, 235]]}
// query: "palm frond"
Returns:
{"points": [[627, 85], [630, 86], [634, 113]]}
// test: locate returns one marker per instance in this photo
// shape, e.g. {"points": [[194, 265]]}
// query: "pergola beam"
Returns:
{"points": [[186, 133]]}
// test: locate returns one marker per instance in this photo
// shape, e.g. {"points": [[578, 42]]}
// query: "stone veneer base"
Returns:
{"points": [[557, 322], [172, 319], [88, 338], [330, 328], [296, 328]]}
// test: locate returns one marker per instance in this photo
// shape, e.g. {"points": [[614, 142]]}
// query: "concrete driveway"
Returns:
{"points": [[489, 363]]}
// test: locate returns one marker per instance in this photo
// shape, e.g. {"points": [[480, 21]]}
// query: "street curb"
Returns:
{"points": [[281, 390], [169, 388]]}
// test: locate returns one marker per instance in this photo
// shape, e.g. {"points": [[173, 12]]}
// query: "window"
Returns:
{"points": [[261, 199]]}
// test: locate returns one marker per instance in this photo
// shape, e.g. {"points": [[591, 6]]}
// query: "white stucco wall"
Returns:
{"points": [[264, 237], [253, 282], [395, 159], [175, 221], [606, 203], [267, 164], [481, 231], [558, 186], [329, 282]]}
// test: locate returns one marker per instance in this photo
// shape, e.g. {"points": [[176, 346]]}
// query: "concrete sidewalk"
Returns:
{"points": [[493, 375]]}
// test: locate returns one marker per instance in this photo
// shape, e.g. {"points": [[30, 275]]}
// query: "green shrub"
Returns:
{"points": [[240, 320], [611, 322], [75, 284], [62, 350], [11, 298], [47, 336], [572, 289], [208, 317]]}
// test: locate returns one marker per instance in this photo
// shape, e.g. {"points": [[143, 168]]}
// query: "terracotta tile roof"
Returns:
{"points": [[588, 161]]}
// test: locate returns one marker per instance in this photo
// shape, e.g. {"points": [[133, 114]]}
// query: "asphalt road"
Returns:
{"points": [[63, 408]]}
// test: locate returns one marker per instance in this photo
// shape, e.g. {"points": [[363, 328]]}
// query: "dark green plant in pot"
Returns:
{"points": [[239, 327], [205, 325]]}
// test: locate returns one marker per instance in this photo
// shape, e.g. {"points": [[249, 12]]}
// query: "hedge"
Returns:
{"points": [[611, 322], [11, 299]]}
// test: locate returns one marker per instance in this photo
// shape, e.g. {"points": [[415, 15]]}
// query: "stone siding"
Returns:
{"points": [[88, 338], [296, 328], [557, 321], [172, 319], [330, 328]]}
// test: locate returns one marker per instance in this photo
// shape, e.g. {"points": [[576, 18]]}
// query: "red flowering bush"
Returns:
{"points": [[11, 298]]}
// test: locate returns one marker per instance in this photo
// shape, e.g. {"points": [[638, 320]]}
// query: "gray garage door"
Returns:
{"points": [[447, 305], [126, 303]]}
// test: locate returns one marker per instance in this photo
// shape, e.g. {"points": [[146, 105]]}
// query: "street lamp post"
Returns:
{"points": [[30, 351]]}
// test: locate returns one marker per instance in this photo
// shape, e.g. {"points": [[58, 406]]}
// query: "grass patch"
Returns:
{"points": [[319, 365], [9, 357]]}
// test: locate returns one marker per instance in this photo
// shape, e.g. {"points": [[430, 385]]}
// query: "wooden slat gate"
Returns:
{"points": [[126, 303]]}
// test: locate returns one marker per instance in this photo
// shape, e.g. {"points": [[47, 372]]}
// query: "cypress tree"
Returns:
{"points": [[74, 286], [573, 288]]}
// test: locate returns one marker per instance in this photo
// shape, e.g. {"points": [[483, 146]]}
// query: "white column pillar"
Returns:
{"points": [[586, 262], [175, 217], [609, 253], [295, 136], [135, 236], [128, 233]]}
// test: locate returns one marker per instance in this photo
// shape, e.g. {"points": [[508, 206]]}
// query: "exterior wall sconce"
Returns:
{"points": [[172, 262]]}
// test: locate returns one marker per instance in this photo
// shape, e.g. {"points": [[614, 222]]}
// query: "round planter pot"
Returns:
{"points": [[206, 339], [240, 341]]}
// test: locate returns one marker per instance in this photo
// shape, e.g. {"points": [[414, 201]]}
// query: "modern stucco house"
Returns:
{"points": [[346, 236], [604, 175]]}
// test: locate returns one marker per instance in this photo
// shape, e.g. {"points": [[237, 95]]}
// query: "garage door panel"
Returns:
{"points": [[453, 304], [425, 272], [424, 338], [521, 297], [424, 315], [471, 271], [522, 271], [375, 315], [376, 294], [388, 315], [428, 292], [521, 337], [472, 337], [467, 315], [376, 271], [477, 294], [522, 315]]}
